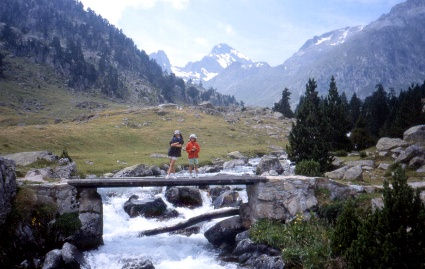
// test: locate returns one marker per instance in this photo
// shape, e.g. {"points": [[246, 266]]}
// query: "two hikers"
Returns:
{"points": [[192, 149]]}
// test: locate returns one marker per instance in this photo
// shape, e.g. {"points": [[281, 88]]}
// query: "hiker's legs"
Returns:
{"points": [[171, 168]]}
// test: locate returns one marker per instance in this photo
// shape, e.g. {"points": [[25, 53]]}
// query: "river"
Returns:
{"points": [[166, 251]]}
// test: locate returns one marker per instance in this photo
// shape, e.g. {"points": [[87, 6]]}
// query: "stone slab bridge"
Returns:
{"points": [[162, 182]]}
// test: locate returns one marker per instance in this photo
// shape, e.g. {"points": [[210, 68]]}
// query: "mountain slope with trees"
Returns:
{"points": [[89, 53]]}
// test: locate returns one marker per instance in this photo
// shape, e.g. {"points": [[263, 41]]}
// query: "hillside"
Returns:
{"points": [[108, 140], [388, 51], [88, 54]]}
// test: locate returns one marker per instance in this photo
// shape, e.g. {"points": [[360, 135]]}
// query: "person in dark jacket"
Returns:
{"points": [[175, 151]]}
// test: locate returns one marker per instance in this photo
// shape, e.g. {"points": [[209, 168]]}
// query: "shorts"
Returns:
{"points": [[193, 161], [173, 158]]}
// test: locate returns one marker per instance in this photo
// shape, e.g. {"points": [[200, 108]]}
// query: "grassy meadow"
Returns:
{"points": [[115, 139]]}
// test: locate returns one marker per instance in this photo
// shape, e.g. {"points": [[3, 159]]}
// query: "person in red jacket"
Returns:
{"points": [[192, 149]]}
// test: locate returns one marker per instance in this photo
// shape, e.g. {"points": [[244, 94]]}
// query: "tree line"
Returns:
{"points": [[332, 123], [89, 51]]}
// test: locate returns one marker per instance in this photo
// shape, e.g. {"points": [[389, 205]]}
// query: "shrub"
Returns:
{"points": [[303, 243], [341, 153], [363, 154], [330, 212], [67, 224], [393, 237], [308, 168]]}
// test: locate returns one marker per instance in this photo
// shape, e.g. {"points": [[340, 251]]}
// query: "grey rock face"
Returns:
{"points": [[53, 260], [268, 163], [417, 162], [137, 264], [236, 155], [7, 187], [386, 144], [217, 191], [384, 166], [410, 153], [72, 257], [225, 231], [362, 163], [377, 203], [354, 173], [139, 170], [337, 174], [268, 262], [63, 195], [281, 198], [415, 135], [233, 163], [148, 207], [227, 199], [66, 171], [27, 158], [184, 196]]}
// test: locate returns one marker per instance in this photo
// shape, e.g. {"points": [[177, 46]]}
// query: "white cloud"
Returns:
{"points": [[201, 41], [229, 29], [113, 9]]}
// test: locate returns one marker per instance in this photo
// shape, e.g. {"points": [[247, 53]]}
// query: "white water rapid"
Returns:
{"points": [[166, 251]]}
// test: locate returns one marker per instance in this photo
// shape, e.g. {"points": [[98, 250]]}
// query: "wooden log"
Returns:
{"points": [[192, 221]]}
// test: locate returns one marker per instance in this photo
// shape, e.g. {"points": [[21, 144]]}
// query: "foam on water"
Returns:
{"points": [[164, 250]]}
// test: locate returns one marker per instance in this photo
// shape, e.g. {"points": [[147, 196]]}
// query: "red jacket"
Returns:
{"points": [[193, 145]]}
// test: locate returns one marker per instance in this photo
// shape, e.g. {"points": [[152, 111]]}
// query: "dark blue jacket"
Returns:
{"points": [[175, 151]]}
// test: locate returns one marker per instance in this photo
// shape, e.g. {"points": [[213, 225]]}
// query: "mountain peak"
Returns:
{"points": [[162, 60], [221, 48]]}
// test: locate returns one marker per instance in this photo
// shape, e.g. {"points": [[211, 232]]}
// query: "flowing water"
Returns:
{"points": [[166, 251]]}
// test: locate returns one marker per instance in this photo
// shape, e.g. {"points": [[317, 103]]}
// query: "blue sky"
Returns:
{"points": [[263, 30]]}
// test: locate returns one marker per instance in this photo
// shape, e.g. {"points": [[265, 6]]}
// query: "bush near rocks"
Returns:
{"points": [[309, 168]]}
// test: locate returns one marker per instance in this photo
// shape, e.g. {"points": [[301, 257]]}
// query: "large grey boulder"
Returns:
{"points": [[362, 163], [27, 158], [410, 152], [227, 199], [148, 208], [417, 162], [138, 170], [184, 196], [137, 264], [53, 260], [225, 231], [236, 155], [64, 196], [7, 187], [415, 135], [268, 262], [72, 257], [337, 174], [233, 163], [268, 163], [281, 198], [354, 173], [386, 144], [66, 170]]}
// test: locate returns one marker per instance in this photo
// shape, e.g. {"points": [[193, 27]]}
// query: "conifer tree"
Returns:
{"points": [[307, 138], [393, 237], [283, 105], [355, 107], [337, 119], [376, 110]]}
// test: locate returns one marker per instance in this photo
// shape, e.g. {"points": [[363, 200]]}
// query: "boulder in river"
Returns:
{"points": [[236, 155], [227, 199], [72, 257], [233, 163], [148, 208], [53, 260], [137, 264], [225, 231], [139, 170], [268, 163], [184, 196]]}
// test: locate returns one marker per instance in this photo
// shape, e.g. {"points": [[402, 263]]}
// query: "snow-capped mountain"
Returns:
{"points": [[389, 51], [220, 57], [162, 60]]}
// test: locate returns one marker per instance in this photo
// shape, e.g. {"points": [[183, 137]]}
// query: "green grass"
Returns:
{"points": [[110, 145], [116, 137]]}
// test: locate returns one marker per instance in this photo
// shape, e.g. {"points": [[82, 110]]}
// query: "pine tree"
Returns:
{"points": [[355, 107], [393, 237], [283, 105], [307, 139], [376, 110], [336, 116], [360, 136]]}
